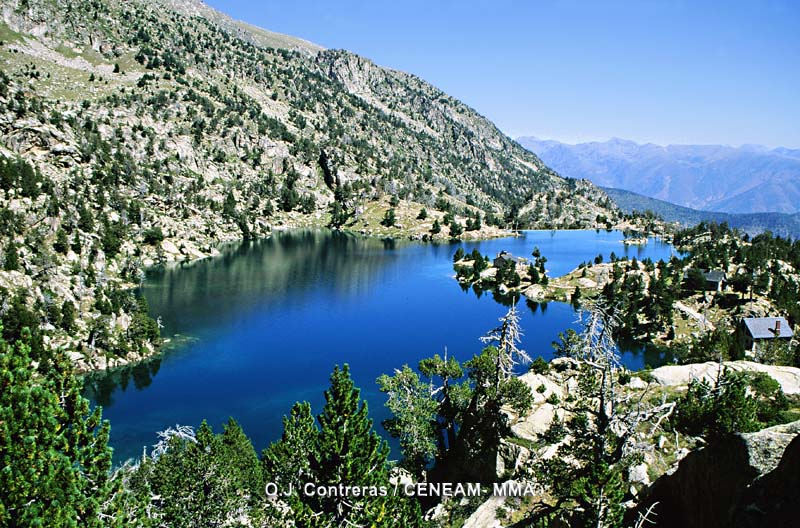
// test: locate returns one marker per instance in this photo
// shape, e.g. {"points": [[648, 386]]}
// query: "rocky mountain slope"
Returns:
{"points": [[133, 133], [746, 179]]}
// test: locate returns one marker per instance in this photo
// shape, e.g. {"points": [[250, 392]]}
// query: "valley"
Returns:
{"points": [[236, 265]]}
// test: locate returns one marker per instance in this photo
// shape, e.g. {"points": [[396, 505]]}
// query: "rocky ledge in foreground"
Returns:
{"points": [[747, 480], [750, 479]]}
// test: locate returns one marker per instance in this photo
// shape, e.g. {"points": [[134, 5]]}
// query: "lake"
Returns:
{"points": [[263, 325]]}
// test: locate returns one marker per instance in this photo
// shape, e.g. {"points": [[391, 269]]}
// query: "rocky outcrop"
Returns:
{"points": [[745, 480], [677, 375], [486, 514], [773, 499], [731, 483]]}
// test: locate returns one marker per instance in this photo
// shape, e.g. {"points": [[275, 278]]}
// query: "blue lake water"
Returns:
{"points": [[269, 319]]}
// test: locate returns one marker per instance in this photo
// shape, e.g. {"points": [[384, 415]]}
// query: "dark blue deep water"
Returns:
{"points": [[262, 326]]}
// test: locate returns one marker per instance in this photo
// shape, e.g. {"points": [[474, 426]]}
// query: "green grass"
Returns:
{"points": [[530, 445], [9, 35]]}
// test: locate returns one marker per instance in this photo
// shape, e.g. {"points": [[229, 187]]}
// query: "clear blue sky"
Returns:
{"points": [[662, 71]]}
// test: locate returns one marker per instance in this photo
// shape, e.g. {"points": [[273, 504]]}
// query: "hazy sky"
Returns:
{"points": [[662, 71]]}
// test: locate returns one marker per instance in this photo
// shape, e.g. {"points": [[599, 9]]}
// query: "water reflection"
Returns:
{"points": [[100, 387], [287, 267]]}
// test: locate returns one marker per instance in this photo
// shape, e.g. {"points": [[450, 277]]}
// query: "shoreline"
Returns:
{"points": [[285, 224]]}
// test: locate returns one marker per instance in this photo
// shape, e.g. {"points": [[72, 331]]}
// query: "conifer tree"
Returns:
{"points": [[343, 451], [61, 243], [54, 454], [415, 413], [584, 479], [349, 451], [389, 218], [201, 479], [287, 462], [338, 215]]}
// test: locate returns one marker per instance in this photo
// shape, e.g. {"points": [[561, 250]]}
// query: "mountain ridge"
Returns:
{"points": [[780, 224], [132, 134], [744, 179]]}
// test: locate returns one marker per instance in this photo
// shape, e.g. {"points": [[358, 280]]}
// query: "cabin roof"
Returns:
{"points": [[764, 327], [505, 255], [714, 275]]}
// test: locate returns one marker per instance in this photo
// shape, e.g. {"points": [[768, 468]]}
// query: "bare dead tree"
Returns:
{"points": [[506, 339], [599, 445]]}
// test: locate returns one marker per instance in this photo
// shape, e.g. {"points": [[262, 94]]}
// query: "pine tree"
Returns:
{"points": [[229, 206], [68, 315], [584, 480], [344, 450], [456, 229], [54, 450], [576, 296], [201, 479], [389, 218], [61, 243], [286, 462], [85, 219], [339, 215], [533, 274], [414, 412], [11, 262], [289, 198], [349, 450]]}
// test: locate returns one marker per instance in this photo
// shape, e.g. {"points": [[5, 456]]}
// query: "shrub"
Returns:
{"points": [[153, 235], [539, 365], [737, 402]]}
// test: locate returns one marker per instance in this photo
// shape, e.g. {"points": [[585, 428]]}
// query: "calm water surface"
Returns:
{"points": [[262, 326]]}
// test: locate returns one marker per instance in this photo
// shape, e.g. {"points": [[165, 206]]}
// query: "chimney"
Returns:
{"points": [[778, 328]]}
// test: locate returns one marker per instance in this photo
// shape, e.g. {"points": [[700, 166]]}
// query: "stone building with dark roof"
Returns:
{"points": [[760, 330], [505, 256], [715, 279]]}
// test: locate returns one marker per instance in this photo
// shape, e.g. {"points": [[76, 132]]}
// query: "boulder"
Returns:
{"points": [[715, 485], [510, 457], [535, 381], [638, 475], [486, 514], [170, 248], [535, 293], [535, 423], [774, 498]]}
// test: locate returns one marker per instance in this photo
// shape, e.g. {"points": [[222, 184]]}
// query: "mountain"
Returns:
{"points": [[746, 179], [139, 132], [781, 224]]}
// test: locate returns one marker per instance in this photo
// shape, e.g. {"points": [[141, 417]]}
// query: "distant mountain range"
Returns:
{"points": [[753, 223], [746, 179]]}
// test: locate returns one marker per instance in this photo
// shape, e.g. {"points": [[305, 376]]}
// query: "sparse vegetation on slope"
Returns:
{"points": [[134, 133]]}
